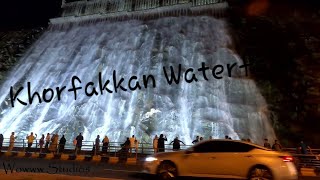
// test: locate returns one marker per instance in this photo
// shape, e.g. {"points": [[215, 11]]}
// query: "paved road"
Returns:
{"points": [[10, 166]]}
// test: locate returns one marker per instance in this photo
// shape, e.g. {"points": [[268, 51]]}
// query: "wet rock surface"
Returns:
{"points": [[13, 44]]}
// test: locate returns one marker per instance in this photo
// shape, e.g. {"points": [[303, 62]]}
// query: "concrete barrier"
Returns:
{"points": [[64, 157], [96, 158], [307, 172], [131, 161], [42, 155], [21, 154], [80, 158], [113, 160], [34, 155], [49, 156]]}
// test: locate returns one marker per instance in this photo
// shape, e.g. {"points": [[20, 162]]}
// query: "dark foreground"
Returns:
{"points": [[11, 166]]}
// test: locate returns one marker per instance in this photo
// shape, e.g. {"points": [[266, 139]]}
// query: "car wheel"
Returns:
{"points": [[167, 170], [260, 173]]}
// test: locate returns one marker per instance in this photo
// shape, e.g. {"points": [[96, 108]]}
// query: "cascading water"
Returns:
{"points": [[229, 106]]}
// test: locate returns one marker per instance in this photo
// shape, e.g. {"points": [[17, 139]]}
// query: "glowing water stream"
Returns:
{"points": [[229, 106]]}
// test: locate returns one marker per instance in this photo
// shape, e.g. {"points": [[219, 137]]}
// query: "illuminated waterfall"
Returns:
{"points": [[229, 106]]}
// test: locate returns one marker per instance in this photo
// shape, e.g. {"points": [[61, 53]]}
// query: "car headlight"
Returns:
{"points": [[150, 159]]}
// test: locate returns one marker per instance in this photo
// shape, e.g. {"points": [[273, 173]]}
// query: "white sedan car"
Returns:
{"points": [[223, 159]]}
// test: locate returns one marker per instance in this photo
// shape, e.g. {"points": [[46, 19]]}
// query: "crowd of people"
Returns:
{"points": [[51, 143], [46, 144]]}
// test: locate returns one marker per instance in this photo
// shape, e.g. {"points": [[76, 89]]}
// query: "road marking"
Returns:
{"points": [[119, 170]]}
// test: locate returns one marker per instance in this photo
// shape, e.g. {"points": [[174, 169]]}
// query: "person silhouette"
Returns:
{"points": [[161, 141]]}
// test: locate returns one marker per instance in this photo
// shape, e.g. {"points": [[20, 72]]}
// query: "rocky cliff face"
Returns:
{"points": [[13, 43], [21, 23], [281, 40]]}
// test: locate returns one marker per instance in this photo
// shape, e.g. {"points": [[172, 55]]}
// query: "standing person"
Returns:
{"points": [[276, 146], [196, 140], [54, 143], [124, 152], [62, 144], [75, 146], [155, 144], [303, 148], [30, 139], [126, 145], [79, 143], [48, 139], [266, 144], [132, 139], [161, 141], [201, 139], [105, 145], [97, 145], [1, 141], [136, 146], [51, 145], [176, 144], [41, 143], [11, 143]]}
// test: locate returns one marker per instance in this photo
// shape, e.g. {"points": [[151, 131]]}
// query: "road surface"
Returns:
{"points": [[11, 168]]}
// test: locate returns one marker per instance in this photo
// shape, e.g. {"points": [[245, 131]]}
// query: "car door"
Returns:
{"points": [[201, 160], [233, 159], [219, 159]]}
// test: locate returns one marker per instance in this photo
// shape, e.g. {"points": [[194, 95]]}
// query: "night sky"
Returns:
{"points": [[15, 13]]}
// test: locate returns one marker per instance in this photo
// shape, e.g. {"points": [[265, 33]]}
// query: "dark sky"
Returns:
{"points": [[27, 12], [15, 13]]}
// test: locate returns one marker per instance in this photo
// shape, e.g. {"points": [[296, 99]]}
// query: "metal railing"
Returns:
{"points": [[87, 147], [144, 147]]}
